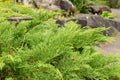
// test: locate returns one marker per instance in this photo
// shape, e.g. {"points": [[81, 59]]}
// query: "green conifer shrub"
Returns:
{"points": [[51, 53], [39, 50]]}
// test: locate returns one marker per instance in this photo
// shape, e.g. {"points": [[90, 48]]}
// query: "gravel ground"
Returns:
{"points": [[112, 48]]}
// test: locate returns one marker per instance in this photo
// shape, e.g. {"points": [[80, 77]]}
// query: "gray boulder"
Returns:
{"points": [[24, 2], [47, 4], [99, 9], [56, 5], [94, 21], [67, 6]]}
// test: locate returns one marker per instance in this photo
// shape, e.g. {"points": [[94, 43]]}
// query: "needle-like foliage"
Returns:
{"points": [[46, 52]]}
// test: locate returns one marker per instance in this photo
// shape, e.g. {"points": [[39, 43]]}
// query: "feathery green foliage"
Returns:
{"points": [[51, 53], [39, 50]]}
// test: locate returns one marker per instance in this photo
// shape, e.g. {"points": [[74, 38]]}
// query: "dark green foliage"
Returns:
{"points": [[111, 3], [82, 5]]}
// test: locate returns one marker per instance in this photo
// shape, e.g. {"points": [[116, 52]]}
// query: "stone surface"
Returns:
{"points": [[94, 21], [99, 9], [24, 2], [19, 19], [67, 6], [56, 5]]}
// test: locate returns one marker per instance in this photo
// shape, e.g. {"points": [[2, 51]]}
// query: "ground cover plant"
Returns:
{"points": [[108, 15], [39, 50]]}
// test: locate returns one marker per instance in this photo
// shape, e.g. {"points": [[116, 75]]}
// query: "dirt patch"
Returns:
{"points": [[116, 12], [111, 48]]}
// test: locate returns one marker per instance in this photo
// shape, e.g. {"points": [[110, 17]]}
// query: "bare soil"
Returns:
{"points": [[112, 48]]}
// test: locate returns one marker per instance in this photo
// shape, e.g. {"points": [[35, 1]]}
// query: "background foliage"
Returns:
{"points": [[83, 5]]}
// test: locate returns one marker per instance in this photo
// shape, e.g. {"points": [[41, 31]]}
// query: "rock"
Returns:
{"points": [[24, 2], [94, 21], [18, 1], [53, 8], [62, 22], [99, 9], [42, 3], [67, 6], [56, 5], [19, 19]]}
